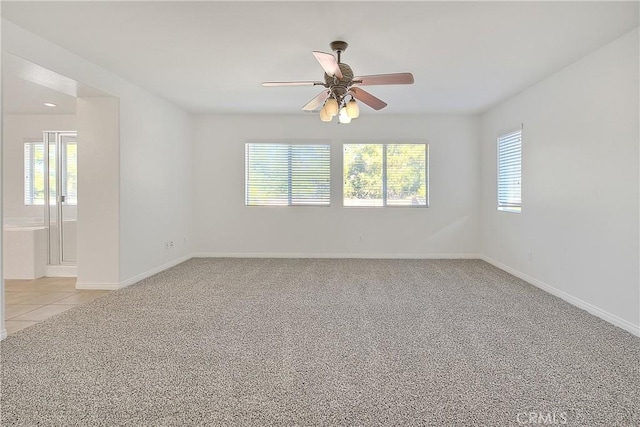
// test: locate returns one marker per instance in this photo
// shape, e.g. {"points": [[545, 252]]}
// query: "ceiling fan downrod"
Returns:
{"points": [[338, 47]]}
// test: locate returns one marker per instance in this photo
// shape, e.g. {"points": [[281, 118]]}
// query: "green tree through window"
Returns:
{"points": [[385, 175]]}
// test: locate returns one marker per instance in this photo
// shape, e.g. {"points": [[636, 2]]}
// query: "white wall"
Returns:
{"points": [[579, 187], [98, 238], [18, 128], [225, 226], [154, 154], [156, 185]]}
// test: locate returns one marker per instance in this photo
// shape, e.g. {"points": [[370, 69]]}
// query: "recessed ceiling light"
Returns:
{"points": [[50, 104]]}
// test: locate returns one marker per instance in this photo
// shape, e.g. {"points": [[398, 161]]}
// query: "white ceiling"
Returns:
{"points": [[212, 56], [26, 87], [24, 97]]}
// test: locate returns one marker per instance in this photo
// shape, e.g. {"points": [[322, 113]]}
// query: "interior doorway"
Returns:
{"points": [[44, 134]]}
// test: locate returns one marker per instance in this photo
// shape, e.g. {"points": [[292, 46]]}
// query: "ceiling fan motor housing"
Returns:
{"points": [[340, 87]]}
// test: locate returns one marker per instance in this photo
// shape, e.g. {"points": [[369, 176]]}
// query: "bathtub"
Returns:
{"points": [[25, 248], [23, 222]]}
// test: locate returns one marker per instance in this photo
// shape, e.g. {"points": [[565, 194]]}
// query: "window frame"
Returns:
{"points": [[385, 144], [502, 187], [290, 202]]}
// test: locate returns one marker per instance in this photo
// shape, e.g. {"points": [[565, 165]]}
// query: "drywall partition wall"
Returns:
{"points": [[224, 226], [156, 188], [18, 129], [577, 235], [98, 207], [154, 151]]}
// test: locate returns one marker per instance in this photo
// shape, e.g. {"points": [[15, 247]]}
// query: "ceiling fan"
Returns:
{"points": [[340, 83]]}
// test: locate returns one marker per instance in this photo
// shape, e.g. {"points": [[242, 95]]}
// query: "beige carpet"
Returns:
{"points": [[323, 342]]}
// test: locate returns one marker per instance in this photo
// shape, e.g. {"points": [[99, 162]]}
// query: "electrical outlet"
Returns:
{"points": [[530, 256]]}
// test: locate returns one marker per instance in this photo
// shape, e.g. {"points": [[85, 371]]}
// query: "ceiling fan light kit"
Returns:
{"points": [[343, 116], [331, 107], [352, 109], [324, 116], [340, 84]]}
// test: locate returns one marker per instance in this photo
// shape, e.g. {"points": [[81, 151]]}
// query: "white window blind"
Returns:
{"points": [[70, 172], [287, 175], [510, 171], [33, 173], [386, 175]]}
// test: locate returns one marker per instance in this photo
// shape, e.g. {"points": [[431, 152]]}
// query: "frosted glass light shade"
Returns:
{"points": [[344, 117], [352, 109], [324, 116], [331, 106]]}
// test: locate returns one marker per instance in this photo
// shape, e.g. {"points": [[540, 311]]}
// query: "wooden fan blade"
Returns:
{"points": [[316, 102], [367, 98], [328, 63], [385, 79], [301, 83]]}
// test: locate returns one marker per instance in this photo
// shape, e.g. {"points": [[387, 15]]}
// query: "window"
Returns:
{"points": [[34, 173], [386, 175], [287, 175], [510, 171], [69, 174]]}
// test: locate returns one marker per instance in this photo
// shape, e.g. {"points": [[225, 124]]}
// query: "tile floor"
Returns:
{"points": [[28, 302]]}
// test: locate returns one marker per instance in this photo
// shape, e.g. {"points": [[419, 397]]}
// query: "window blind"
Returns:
{"points": [[70, 170], [287, 174], [510, 171], [28, 174], [33, 173]]}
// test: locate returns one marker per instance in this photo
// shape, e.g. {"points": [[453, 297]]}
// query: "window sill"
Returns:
{"points": [[510, 210]]}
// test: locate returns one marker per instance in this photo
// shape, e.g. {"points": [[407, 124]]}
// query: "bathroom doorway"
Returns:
{"points": [[50, 124]]}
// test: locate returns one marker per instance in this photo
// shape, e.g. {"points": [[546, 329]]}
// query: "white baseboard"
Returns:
{"points": [[98, 286], [61, 271], [332, 255], [134, 279], [604, 315], [3, 334]]}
